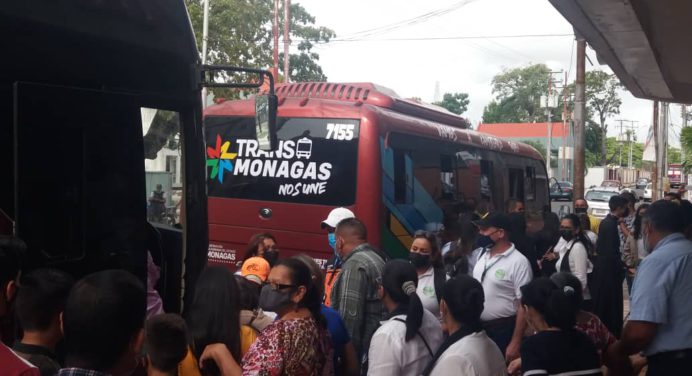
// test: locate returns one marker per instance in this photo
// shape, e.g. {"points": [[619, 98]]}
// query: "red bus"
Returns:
{"points": [[676, 176], [397, 164]]}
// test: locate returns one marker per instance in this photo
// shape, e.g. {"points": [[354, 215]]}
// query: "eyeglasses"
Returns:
{"points": [[277, 286]]}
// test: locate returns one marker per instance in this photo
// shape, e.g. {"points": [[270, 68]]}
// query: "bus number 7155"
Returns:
{"points": [[340, 131]]}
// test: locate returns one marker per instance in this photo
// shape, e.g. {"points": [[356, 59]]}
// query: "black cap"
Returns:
{"points": [[498, 220]]}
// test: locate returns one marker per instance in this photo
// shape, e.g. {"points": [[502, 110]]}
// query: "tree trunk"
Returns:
{"points": [[604, 145]]}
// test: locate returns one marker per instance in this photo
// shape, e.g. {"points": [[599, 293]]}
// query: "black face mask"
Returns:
{"points": [[580, 210], [418, 260], [273, 300], [271, 255], [566, 234], [626, 213], [484, 241]]}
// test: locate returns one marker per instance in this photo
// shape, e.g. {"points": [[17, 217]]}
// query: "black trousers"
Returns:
{"points": [[672, 363], [501, 331]]}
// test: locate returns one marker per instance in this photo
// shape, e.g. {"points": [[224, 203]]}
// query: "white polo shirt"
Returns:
{"points": [[502, 276], [390, 354], [426, 291], [473, 355]]}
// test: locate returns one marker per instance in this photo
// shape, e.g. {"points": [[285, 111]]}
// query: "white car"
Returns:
{"points": [[598, 199], [647, 192]]}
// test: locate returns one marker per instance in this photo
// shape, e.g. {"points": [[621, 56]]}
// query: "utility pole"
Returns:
{"points": [[564, 128], [683, 109], [205, 37], [628, 131], [549, 103], [655, 173], [664, 147], [275, 30], [579, 120], [287, 40]]}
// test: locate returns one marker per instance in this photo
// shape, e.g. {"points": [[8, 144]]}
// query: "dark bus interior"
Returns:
{"points": [[75, 77]]}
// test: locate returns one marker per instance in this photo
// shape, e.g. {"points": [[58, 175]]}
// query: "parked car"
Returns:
{"points": [[642, 183], [647, 192], [561, 190], [598, 199], [638, 193], [611, 184]]}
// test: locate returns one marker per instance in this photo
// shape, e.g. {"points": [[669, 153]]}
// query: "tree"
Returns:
{"points": [[603, 101], [454, 102], [517, 96], [541, 149], [240, 34]]}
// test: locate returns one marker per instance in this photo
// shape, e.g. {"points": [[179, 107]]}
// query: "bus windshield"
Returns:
{"points": [[315, 163]]}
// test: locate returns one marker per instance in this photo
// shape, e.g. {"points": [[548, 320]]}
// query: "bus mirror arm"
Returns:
{"points": [[207, 74], [266, 105]]}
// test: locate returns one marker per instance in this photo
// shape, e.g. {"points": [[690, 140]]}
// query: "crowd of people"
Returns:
{"points": [[493, 293]]}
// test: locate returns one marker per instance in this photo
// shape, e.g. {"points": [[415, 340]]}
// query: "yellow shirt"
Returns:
{"points": [[595, 223], [248, 335], [190, 366]]}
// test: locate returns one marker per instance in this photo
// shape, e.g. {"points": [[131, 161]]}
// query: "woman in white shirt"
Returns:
{"points": [[426, 257], [405, 343], [468, 350], [574, 253]]}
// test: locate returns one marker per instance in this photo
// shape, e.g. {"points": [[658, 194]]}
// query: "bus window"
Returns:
{"points": [[530, 183], [315, 162], [486, 180], [402, 176], [516, 183], [162, 165], [447, 177], [468, 170]]}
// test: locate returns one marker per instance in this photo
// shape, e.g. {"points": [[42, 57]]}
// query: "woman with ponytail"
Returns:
{"points": [[556, 347], [468, 350], [573, 251], [405, 343], [297, 343]]}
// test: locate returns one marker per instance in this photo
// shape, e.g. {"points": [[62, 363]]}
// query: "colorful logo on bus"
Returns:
{"points": [[219, 159]]}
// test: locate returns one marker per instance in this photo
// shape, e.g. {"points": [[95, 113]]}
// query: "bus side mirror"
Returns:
{"points": [[265, 121]]}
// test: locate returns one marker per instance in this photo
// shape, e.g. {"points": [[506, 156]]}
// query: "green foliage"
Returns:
{"points": [[686, 142], [602, 101], [517, 96], [454, 102], [536, 145], [674, 155], [240, 34]]}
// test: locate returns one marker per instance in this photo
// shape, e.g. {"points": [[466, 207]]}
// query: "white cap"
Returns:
{"points": [[337, 215]]}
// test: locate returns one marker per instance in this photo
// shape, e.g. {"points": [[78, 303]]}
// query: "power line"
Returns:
{"points": [[409, 22], [460, 37]]}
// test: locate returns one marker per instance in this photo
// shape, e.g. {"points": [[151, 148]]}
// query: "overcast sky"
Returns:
{"points": [[412, 67]]}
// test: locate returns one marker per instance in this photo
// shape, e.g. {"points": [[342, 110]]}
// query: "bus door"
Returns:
{"points": [[80, 197]]}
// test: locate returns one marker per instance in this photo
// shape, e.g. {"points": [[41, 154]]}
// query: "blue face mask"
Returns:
{"points": [[332, 243], [332, 240]]}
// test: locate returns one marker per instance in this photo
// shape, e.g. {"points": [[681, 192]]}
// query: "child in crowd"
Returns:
{"points": [[40, 301], [165, 344]]}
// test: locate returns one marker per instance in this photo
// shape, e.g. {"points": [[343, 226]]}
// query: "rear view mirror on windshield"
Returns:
{"points": [[265, 121]]}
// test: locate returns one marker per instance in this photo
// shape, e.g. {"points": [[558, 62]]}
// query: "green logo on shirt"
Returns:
{"points": [[428, 291], [500, 274]]}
